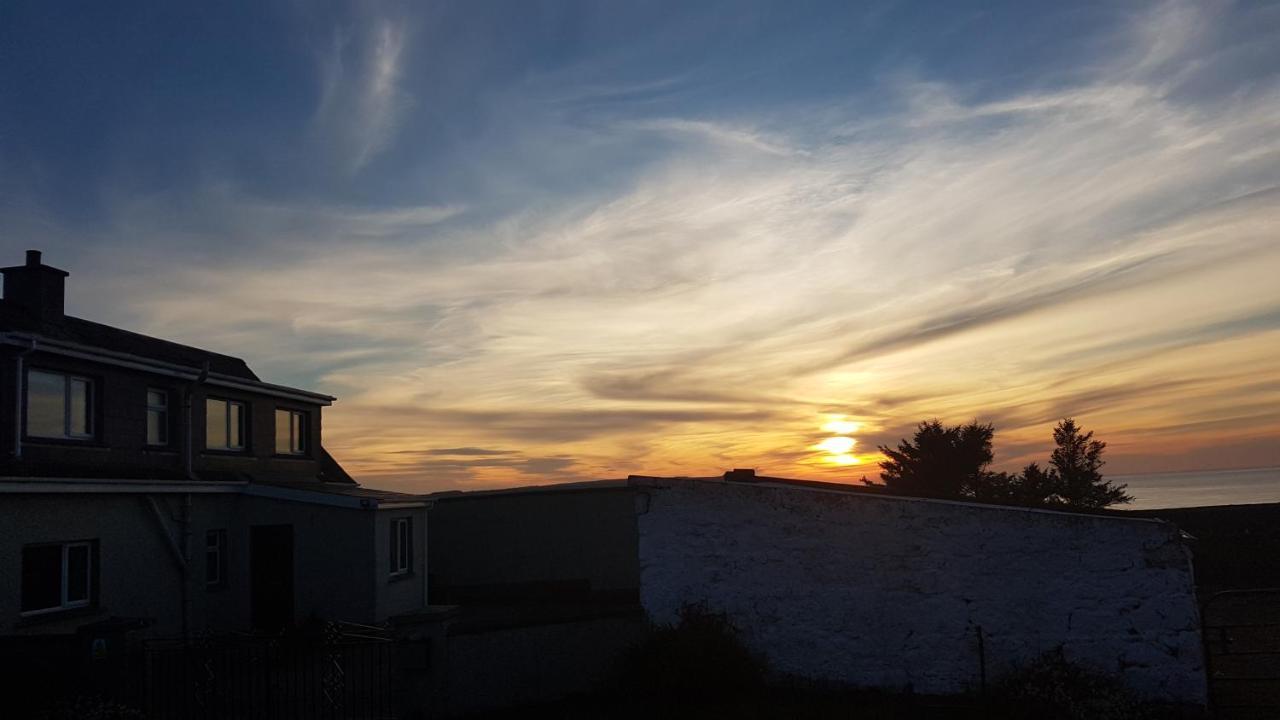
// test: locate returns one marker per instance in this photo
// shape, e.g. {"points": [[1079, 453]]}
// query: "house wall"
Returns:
{"points": [[120, 428], [570, 544], [137, 573], [332, 551], [891, 592], [404, 593], [334, 559]]}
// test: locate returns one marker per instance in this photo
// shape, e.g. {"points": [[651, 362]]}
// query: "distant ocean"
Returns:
{"points": [[1201, 487]]}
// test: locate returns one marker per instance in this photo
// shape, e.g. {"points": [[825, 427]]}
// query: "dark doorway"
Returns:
{"points": [[271, 576]]}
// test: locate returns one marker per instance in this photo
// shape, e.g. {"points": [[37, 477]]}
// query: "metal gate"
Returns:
{"points": [[1242, 649], [335, 677]]}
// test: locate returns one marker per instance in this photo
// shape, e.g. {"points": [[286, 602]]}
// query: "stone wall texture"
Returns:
{"points": [[878, 591]]}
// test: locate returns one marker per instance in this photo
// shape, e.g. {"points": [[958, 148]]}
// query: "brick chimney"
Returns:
{"points": [[740, 475], [35, 288]]}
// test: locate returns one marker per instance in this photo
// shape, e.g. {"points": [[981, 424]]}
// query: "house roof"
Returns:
{"points": [[106, 337]]}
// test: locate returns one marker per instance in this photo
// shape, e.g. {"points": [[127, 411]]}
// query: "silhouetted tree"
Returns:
{"points": [[1033, 487], [1077, 461], [951, 462], [939, 461]]}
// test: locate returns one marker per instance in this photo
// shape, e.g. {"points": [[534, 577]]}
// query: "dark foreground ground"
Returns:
{"points": [[786, 704]]}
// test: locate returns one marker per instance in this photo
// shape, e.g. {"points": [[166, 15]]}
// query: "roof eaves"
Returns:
{"points": [[146, 364]]}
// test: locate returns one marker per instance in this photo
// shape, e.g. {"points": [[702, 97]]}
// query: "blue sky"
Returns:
{"points": [[574, 240]]}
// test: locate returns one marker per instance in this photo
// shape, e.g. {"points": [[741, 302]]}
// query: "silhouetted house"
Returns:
{"points": [[168, 484], [837, 583]]}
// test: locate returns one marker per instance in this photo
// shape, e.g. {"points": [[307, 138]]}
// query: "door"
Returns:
{"points": [[271, 577]]}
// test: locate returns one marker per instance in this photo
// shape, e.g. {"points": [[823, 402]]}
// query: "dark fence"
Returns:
{"points": [[1242, 647], [335, 677]]}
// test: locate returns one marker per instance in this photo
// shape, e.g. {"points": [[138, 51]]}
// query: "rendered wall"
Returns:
{"points": [[333, 556], [890, 592], [403, 593], [137, 574]]}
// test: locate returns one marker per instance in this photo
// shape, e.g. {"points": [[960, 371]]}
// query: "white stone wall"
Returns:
{"points": [[890, 592]]}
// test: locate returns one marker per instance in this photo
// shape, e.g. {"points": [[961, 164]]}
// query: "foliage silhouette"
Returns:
{"points": [[1077, 460], [699, 658], [951, 462], [939, 461]]}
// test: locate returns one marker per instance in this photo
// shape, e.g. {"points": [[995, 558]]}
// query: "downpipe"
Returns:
{"points": [[17, 398]]}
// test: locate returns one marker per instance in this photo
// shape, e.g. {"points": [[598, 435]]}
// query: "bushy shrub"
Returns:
{"points": [[1051, 688], [698, 658]]}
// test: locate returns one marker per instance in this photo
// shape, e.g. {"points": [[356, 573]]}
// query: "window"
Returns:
{"points": [[157, 417], [215, 559], [224, 424], [58, 576], [291, 432], [401, 546], [59, 406]]}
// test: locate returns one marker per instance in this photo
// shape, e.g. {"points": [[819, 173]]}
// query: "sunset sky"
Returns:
{"points": [[532, 242]]}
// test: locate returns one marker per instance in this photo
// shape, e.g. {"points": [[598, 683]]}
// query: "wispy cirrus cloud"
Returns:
{"points": [[361, 97]]}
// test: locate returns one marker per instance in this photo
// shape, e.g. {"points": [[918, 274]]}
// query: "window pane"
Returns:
{"points": [[79, 408], [41, 577], [283, 443], [402, 562], [77, 573], [237, 425], [46, 403], [215, 418], [157, 427], [157, 399], [295, 427]]}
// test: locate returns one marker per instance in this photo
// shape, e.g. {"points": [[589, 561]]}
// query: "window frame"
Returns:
{"points": [[164, 422], [401, 556], [90, 410], [215, 543], [227, 403], [299, 430], [91, 578]]}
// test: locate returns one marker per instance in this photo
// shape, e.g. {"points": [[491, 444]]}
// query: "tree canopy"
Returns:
{"points": [[952, 462], [940, 461]]}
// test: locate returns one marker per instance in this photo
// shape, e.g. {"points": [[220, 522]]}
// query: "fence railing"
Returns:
{"points": [[337, 676], [1242, 652]]}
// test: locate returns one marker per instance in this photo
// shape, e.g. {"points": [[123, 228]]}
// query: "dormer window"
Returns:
{"points": [[59, 406], [157, 417], [291, 432], [224, 424]]}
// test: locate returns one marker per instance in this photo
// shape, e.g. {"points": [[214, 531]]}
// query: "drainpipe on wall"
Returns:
{"points": [[189, 439], [189, 471], [17, 400], [186, 567], [426, 567]]}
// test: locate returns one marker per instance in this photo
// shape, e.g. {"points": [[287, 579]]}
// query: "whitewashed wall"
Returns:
{"points": [[889, 592]]}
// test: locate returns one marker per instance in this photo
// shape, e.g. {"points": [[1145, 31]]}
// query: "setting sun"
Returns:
{"points": [[837, 445]]}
